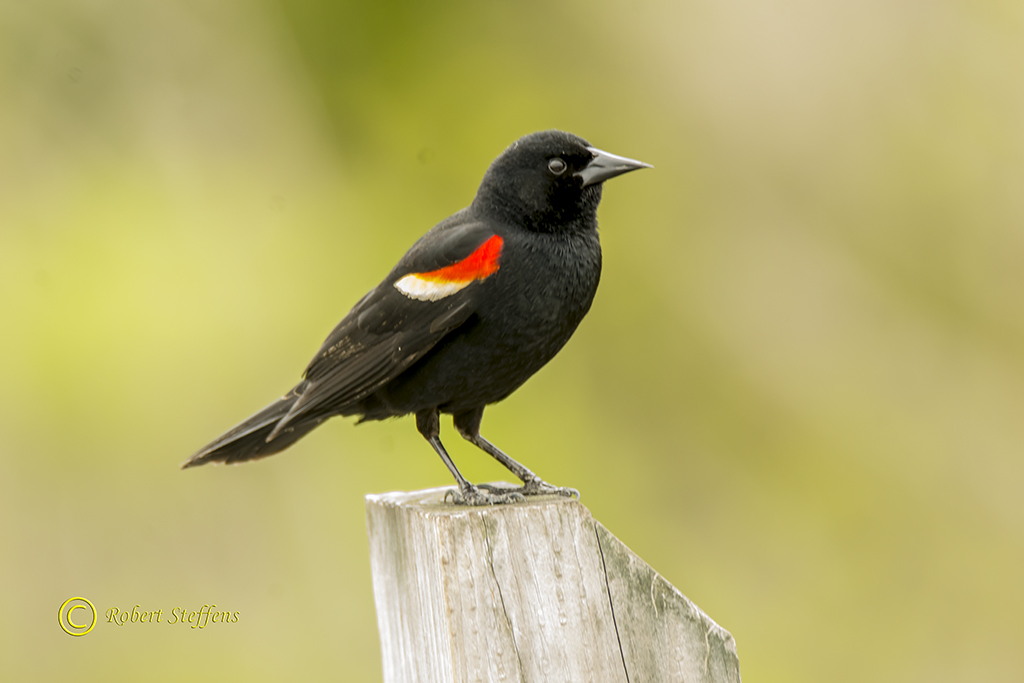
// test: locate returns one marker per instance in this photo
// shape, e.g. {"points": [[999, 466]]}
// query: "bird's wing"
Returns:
{"points": [[433, 290]]}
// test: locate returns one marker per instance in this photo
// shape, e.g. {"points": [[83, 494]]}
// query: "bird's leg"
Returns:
{"points": [[429, 426], [468, 424]]}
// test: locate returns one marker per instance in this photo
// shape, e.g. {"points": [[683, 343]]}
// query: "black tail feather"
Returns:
{"points": [[248, 439]]}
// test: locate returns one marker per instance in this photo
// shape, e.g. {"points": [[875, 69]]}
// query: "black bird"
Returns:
{"points": [[473, 309]]}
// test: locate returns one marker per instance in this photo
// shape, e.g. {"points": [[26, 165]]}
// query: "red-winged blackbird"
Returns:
{"points": [[473, 309]]}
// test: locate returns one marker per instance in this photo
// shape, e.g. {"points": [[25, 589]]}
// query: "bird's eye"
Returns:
{"points": [[556, 166]]}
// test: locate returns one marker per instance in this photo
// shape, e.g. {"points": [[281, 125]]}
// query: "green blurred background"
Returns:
{"points": [[799, 395]]}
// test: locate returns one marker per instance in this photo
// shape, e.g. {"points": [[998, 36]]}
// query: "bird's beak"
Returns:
{"points": [[604, 166]]}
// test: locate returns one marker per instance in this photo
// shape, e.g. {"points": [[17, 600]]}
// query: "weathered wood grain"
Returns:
{"points": [[531, 592]]}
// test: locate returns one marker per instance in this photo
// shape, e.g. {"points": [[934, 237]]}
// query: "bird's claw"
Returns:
{"points": [[535, 487], [539, 487], [474, 496], [489, 494]]}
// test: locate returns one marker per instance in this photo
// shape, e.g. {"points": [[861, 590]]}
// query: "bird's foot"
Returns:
{"points": [[539, 487], [493, 495], [535, 487]]}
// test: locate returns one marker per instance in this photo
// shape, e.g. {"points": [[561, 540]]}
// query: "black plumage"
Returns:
{"points": [[478, 305]]}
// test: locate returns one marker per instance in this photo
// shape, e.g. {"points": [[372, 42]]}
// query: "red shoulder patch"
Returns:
{"points": [[437, 284], [478, 265]]}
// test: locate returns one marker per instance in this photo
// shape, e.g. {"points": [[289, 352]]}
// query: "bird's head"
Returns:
{"points": [[549, 182]]}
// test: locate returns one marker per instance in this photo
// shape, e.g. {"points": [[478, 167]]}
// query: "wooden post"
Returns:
{"points": [[533, 592]]}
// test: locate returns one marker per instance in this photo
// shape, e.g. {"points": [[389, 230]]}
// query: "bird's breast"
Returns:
{"points": [[528, 309], [544, 289]]}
